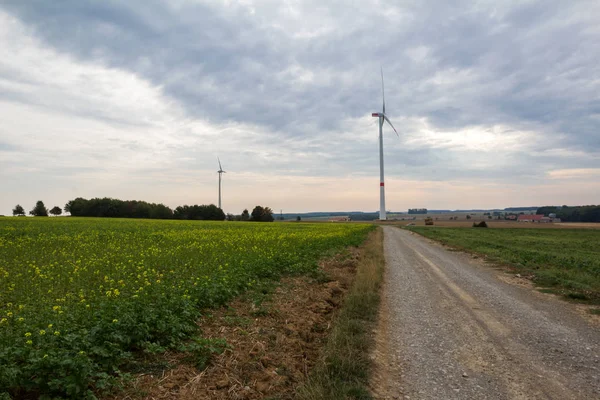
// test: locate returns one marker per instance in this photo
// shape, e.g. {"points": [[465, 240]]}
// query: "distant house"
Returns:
{"points": [[511, 217], [339, 219], [531, 218]]}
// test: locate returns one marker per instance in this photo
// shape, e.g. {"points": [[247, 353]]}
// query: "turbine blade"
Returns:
{"points": [[382, 90], [390, 122], [220, 168]]}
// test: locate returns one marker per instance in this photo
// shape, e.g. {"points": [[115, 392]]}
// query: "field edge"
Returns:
{"points": [[344, 369], [567, 294]]}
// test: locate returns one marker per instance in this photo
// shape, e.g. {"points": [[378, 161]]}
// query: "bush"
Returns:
{"points": [[482, 224]]}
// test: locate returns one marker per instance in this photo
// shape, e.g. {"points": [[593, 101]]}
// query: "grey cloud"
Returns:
{"points": [[8, 147], [516, 64]]}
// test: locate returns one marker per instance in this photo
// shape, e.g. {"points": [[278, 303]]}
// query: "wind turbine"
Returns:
{"points": [[382, 118], [221, 172]]}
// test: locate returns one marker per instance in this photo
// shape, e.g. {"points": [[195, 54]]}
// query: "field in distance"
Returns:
{"points": [[464, 223], [78, 296], [567, 260]]}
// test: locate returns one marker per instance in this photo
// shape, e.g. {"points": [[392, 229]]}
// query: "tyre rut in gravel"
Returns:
{"points": [[451, 329]]}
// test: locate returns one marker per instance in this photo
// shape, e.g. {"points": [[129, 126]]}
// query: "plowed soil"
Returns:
{"points": [[272, 346]]}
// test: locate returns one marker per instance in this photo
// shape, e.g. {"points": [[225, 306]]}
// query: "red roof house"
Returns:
{"points": [[530, 218]]}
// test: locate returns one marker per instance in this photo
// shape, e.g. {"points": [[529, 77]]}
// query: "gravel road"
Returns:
{"points": [[452, 328]]}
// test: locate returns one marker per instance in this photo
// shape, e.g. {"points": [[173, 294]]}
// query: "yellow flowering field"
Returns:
{"points": [[79, 297]]}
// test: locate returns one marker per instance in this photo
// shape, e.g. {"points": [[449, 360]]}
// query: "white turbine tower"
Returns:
{"points": [[382, 118], [221, 172]]}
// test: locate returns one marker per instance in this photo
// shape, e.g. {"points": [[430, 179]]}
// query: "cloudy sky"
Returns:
{"points": [[497, 102]]}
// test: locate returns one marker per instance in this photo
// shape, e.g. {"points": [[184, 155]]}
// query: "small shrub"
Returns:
{"points": [[577, 296], [482, 224], [201, 350]]}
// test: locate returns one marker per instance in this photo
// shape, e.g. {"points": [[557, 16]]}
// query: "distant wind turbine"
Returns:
{"points": [[382, 118], [221, 172]]}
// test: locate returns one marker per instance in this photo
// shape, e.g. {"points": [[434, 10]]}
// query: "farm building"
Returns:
{"points": [[530, 218], [339, 219], [537, 218]]}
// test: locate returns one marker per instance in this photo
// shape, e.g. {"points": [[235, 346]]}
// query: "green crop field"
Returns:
{"points": [[80, 296], [565, 259]]}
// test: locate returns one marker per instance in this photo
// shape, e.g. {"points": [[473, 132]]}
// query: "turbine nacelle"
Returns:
{"points": [[386, 119]]}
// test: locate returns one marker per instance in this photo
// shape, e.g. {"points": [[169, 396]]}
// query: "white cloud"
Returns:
{"points": [[578, 174]]}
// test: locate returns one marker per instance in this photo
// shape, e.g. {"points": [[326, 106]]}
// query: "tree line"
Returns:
{"points": [[39, 210], [114, 208], [417, 211], [589, 213], [259, 214]]}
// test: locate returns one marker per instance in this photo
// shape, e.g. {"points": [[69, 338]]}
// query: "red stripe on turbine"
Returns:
{"points": [[375, 115], [381, 184]]}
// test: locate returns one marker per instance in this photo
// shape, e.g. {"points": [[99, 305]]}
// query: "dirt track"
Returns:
{"points": [[451, 329]]}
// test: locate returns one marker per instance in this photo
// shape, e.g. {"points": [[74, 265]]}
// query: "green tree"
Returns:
{"points": [[39, 210], [257, 213], [77, 207], [56, 211], [262, 214], [468, 216], [245, 215], [199, 212], [18, 210], [298, 218]]}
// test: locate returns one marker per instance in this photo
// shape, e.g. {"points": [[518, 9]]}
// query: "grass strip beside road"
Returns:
{"points": [[567, 261], [344, 370]]}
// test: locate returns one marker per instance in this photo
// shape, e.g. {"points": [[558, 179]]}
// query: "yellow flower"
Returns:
{"points": [[115, 321], [27, 334], [50, 326], [56, 333], [42, 332], [21, 319], [29, 342]]}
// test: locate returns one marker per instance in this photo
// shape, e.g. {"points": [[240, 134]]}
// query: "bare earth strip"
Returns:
{"points": [[450, 329]]}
